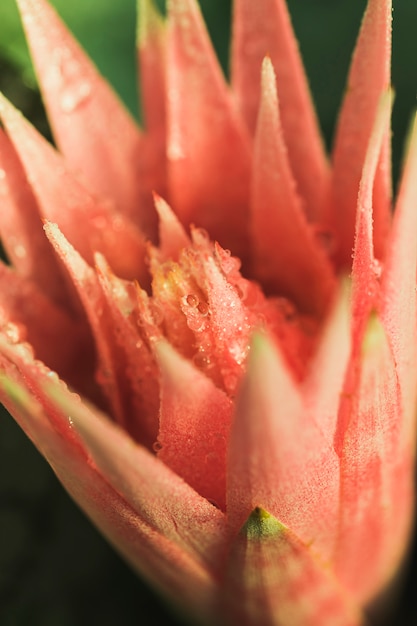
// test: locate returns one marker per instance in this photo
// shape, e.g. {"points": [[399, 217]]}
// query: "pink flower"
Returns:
{"points": [[244, 436]]}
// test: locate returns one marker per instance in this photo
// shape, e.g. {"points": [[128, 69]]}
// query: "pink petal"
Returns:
{"points": [[286, 256], [151, 42], [93, 130], [208, 149], [121, 353], [158, 524], [260, 29], [278, 456], [21, 227], [172, 236], [274, 579], [376, 498], [88, 223], [195, 420], [366, 269], [327, 369], [26, 307], [398, 287], [369, 78]]}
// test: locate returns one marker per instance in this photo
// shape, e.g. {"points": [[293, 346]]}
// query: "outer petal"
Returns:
{"points": [[91, 225], [263, 28], [26, 307], [21, 227], [92, 129], [287, 258], [369, 78], [376, 471], [208, 149], [195, 420], [121, 352], [278, 457], [366, 269], [151, 43], [159, 525], [273, 579], [398, 306]]}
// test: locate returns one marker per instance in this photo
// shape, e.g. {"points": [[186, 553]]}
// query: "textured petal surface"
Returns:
{"points": [[21, 227], [369, 78], [398, 298], [150, 542], [254, 37], [90, 224], [288, 259], [278, 457], [151, 44], [93, 130], [273, 579], [376, 471], [208, 150], [132, 399], [192, 405]]}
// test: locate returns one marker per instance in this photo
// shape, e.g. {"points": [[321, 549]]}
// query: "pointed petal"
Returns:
{"points": [[21, 227], [151, 46], [120, 350], [134, 366], [27, 308], [366, 269], [177, 572], [278, 456], [88, 223], [286, 256], [195, 420], [172, 236], [325, 379], [92, 129], [398, 287], [263, 28], [208, 150], [376, 498], [272, 579], [369, 78]]}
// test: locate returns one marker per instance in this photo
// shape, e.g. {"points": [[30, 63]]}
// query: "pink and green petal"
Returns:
{"points": [[192, 405], [398, 297], [179, 575], [287, 258], [369, 78], [93, 130], [272, 578], [376, 470], [260, 29], [208, 148], [89, 223], [151, 44], [278, 456]]}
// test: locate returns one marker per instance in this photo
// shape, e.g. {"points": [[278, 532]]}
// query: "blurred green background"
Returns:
{"points": [[55, 570]]}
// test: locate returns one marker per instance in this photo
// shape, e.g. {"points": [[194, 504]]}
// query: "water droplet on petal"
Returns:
{"points": [[74, 96], [157, 446]]}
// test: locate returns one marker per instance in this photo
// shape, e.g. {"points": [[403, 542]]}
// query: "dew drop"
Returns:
{"points": [[74, 96], [192, 300], [377, 268], [157, 446], [203, 308]]}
